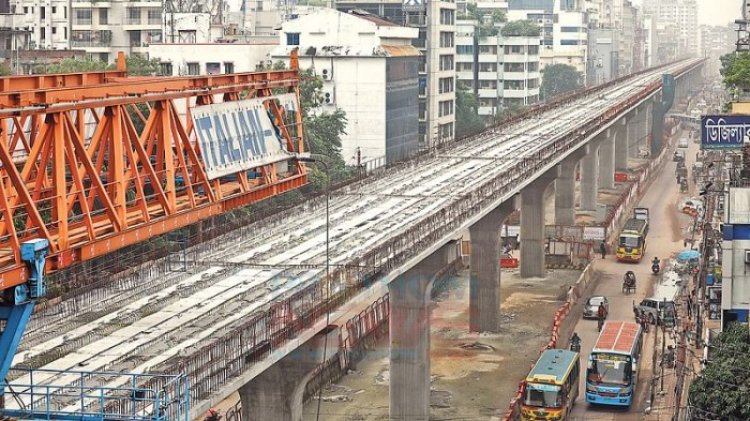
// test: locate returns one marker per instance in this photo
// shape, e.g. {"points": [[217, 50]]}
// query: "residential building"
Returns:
{"points": [[103, 28], [649, 40], [36, 61], [715, 41], [47, 24], [503, 71], [628, 38], [682, 16], [370, 71], [201, 59], [12, 37], [436, 27], [735, 279]]}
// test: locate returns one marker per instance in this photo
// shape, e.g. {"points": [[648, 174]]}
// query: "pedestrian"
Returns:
{"points": [[603, 249]]}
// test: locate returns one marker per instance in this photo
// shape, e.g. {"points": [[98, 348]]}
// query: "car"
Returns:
{"points": [[591, 308], [679, 155], [657, 309]]}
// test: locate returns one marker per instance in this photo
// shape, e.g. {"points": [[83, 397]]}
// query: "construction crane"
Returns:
{"points": [[94, 162]]}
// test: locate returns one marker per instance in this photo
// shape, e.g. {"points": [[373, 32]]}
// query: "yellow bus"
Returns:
{"points": [[631, 246], [551, 387]]}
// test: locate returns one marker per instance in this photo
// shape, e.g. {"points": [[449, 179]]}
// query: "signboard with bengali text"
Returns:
{"points": [[237, 136], [724, 131]]}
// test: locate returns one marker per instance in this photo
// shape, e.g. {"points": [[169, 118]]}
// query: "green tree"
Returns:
{"points": [[721, 389], [520, 28], [486, 18], [558, 79], [70, 65], [4, 69], [736, 70], [139, 65], [468, 120]]}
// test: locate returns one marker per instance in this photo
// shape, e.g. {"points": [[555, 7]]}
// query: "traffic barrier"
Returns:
{"points": [[508, 262]]}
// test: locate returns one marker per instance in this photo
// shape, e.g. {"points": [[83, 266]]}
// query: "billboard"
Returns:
{"points": [[724, 131], [238, 135]]}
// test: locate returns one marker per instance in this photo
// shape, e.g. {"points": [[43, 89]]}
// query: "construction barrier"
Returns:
{"points": [[508, 262]]}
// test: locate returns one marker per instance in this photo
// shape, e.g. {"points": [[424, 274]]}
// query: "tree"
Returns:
{"points": [[139, 65], [487, 19], [736, 70], [70, 65], [4, 70], [721, 390], [520, 28], [468, 120], [558, 79]]}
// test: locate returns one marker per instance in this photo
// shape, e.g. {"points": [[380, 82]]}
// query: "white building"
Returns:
{"points": [[735, 293], [202, 59], [504, 72], [564, 31], [47, 24], [436, 42], [682, 14], [370, 71]]}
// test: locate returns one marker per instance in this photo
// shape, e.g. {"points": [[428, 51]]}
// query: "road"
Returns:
{"points": [[664, 239]]}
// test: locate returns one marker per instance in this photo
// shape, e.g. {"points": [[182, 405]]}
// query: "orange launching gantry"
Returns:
{"points": [[93, 162]]}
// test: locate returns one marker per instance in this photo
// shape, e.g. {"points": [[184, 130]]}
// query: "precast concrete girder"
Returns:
{"points": [[565, 187], [276, 394], [409, 325], [484, 278], [590, 175], [532, 224], [607, 159]]}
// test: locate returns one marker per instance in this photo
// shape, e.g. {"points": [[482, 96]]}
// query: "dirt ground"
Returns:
{"points": [[474, 376]]}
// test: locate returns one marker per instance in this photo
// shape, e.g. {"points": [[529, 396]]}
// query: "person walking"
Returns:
{"points": [[603, 249]]}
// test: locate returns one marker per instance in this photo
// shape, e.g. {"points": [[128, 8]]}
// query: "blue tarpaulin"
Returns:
{"points": [[687, 255]]}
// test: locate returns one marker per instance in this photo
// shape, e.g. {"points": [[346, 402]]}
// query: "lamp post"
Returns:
{"points": [[313, 159]]}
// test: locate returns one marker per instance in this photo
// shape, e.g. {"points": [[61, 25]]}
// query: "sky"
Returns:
{"points": [[714, 12]]}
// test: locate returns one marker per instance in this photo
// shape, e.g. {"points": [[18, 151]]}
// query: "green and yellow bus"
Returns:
{"points": [[631, 246], [551, 388]]}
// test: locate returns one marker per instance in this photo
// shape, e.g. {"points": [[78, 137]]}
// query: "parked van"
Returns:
{"points": [[682, 143]]}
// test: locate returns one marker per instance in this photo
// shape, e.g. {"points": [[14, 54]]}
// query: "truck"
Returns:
{"points": [[631, 245]]}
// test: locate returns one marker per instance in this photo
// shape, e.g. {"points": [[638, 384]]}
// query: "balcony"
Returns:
{"points": [[487, 92], [7, 21]]}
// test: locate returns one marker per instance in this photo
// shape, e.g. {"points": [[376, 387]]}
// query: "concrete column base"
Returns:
{"points": [[607, 161], [484, 278], [276, 394], [409, 324], [590, 177], [621, 146], [565, 188]]}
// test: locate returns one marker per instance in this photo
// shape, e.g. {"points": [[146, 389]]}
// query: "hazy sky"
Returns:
{"points": [[714, 12]]}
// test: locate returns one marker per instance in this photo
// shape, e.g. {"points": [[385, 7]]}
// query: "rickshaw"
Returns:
{"points": [[628, 282]]}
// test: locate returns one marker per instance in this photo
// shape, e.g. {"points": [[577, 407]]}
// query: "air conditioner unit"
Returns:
{"points": [[329, 98], [326, 74]]}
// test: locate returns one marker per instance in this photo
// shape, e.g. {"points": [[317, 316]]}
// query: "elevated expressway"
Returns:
{"points": [[252, 296]]}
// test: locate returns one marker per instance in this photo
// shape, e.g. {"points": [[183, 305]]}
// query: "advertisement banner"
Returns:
{"points": [[594, 233], [236, 136], [724, 131]]}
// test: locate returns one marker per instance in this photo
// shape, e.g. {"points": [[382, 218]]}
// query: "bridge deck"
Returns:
{"points": [[165, 321]]}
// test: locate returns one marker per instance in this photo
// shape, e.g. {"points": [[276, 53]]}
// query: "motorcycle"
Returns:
{"points": [[655, 268], [575, 347]]}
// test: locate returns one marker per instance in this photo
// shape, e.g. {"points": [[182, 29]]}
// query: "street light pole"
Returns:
{"points": [[328, 263]]}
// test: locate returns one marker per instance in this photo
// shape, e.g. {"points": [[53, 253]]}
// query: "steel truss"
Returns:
{"points": [[93, 162]]}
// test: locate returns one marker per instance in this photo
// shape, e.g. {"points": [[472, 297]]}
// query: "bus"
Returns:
{"points": [[631, 246], [611, 375], [551, 387]]}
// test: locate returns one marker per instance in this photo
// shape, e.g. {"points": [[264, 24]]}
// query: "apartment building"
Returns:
{"points": [[370, 71], [503, 71], [435, 22], [564, 30], [47, 23], [681, 15]]}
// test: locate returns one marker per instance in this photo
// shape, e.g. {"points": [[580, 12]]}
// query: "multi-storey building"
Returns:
{"points": [[681, 15], [716, 41], [47, 23], [564, 30], [12, 37], [436, 24], [370, 71], [627, 38], [503, 71]]}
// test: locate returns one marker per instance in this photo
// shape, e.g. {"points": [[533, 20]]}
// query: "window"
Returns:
{"points": [[465, 49], [487, 49], [513, 67], [154, 17], [166, 69], [487, 67], [65, 31], [54, 30], [135, 38], [25, 10], [446, 17], [54, 10], [445, 85], [533, 49], [292, 38], [445, 108], [533, 66], [65, 12], [213, 68], [446, 39], [487, 84], [568, 42], [133, 16], [193, 68], [228, 67], [103, 16], [569, 29], [422, 111], [463, 67], [446, 62], [42, 33], [42, 13], [83, 17]]}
